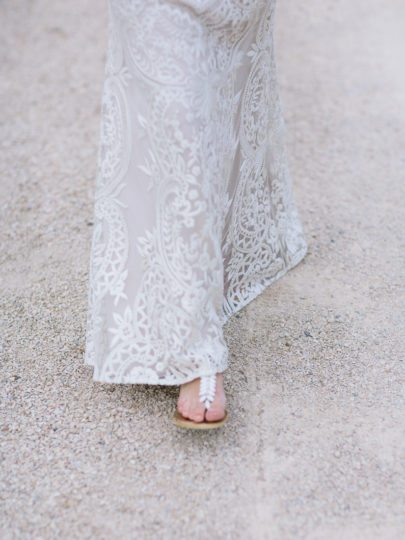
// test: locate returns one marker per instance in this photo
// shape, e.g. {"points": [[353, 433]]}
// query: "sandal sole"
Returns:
{"points": [[183, 422]]}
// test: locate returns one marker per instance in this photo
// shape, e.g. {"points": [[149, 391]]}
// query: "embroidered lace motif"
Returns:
{"points": [[193, 211]]}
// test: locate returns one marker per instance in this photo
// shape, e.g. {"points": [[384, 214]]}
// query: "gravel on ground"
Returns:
{"points": [[315, 444]]}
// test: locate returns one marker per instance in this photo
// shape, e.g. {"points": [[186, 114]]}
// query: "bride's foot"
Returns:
{"points": [[190, 406]]}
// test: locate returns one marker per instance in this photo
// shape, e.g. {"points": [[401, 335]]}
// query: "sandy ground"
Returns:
{"points": [[315, 445]]}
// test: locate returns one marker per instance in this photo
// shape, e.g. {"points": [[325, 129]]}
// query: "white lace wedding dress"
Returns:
{"points": [[194, 215]]}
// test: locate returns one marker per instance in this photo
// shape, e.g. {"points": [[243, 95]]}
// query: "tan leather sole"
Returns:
{"points": [[180, 421]]}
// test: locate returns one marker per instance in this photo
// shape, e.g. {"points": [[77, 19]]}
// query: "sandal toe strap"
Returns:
{"points": [[207, 389]]}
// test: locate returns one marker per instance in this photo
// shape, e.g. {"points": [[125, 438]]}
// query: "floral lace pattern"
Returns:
{"points": [[193, 211]]}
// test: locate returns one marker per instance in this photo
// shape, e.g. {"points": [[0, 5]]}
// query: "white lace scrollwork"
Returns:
{"points": [[194, 215]]}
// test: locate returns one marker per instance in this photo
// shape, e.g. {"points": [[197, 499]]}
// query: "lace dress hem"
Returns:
{"points": [[141, 375]]}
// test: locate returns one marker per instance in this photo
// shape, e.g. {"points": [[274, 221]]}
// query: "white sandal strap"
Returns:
{"points": [[207, 389]]}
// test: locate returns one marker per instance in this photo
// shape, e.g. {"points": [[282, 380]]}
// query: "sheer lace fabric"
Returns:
{"points": [[193, 214]]}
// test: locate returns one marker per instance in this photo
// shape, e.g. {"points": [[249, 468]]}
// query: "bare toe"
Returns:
{"points": [[181, 405], [215, 413], [197, 412], [197, 417]]}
